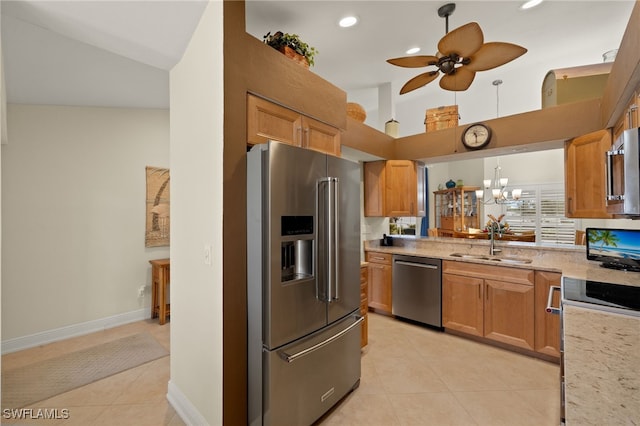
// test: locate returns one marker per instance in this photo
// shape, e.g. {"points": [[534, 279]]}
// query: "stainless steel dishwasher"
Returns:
{"points": [[417, 289]]}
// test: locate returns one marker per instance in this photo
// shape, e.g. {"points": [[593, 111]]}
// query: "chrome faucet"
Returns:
{"points": [[495, 227]]}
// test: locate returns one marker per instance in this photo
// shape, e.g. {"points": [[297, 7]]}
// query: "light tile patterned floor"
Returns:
{"points": [[133, 397], [411, 375]]}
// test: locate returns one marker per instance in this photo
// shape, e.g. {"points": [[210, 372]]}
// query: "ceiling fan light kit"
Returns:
{"points": [[461, 53]]}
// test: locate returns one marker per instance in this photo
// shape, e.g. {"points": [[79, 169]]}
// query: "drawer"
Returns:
{"points": [[446, 222], [377, 257]]}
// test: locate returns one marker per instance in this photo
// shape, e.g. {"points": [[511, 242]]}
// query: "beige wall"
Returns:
{"points": [[196, 93], [73, 214]]}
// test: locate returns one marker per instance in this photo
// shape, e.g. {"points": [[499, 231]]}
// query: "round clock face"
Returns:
{"points": [[476, 136]]}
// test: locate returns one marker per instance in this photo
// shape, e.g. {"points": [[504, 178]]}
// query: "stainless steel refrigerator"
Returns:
{"points": [[303, 282]]}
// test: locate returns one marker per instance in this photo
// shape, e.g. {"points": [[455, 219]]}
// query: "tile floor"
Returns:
{"points": [[133, 397], [411, 375]]}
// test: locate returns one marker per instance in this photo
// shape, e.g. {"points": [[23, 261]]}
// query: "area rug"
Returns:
{"points": [[42, 380]]}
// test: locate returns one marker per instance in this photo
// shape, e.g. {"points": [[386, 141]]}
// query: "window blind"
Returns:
{"points": [[541, 209]]}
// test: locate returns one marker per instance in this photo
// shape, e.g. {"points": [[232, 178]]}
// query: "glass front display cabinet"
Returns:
{"points": [[456, 210]]}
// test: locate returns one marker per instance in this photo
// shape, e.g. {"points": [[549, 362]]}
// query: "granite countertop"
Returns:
{"points": [[602, 353], [569, 260]]}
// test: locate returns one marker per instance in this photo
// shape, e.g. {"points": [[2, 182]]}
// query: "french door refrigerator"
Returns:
{"points": [[303, 283]]}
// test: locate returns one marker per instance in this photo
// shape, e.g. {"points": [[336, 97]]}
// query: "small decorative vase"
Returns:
{"points": [[450, 184], [391, 128], [459, 183]]}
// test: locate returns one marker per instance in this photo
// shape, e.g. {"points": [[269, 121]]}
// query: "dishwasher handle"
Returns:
{"points": [[418, 265]]}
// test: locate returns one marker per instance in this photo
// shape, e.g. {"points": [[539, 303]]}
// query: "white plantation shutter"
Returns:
{"points": [[541, 209]]}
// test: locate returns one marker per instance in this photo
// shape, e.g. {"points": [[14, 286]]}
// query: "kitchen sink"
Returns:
{"points": [[516, 260], [506, 259], [470, 256]]}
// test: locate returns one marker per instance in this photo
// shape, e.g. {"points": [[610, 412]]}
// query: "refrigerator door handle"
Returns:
{"points": [[292, 357], [330, 217], [334, 240]]}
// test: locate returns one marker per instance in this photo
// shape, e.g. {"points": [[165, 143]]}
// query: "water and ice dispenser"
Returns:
{"points": [[296, 255]]}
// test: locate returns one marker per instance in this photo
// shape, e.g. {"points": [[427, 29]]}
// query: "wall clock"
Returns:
{"points": [[476, 136]]}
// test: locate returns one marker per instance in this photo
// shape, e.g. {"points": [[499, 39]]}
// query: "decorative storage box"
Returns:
{"points": [[442, 117], [574, 84]]}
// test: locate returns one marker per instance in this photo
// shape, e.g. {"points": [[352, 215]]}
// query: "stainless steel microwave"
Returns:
{"points": [[623, 175]]}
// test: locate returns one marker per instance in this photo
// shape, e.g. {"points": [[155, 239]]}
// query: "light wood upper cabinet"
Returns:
{"points": [[394, 188], [547, 325], [268, 121], [585, 175], [631, 117], [374, 182], [320, 137]]}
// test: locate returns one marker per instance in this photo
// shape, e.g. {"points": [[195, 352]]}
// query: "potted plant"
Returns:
{"points": [[291, 46]]}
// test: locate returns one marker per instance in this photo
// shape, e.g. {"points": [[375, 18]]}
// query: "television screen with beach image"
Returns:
{"points": [[617, 248]]}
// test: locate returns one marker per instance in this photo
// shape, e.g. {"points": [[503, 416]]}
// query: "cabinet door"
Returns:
{"points": [[374, 184], [364, 303], [401, 187], [508, 313], [547, 326], [462, 304], [421, 209], [585, 179], [380, 287], [266, 120], [320, 137]]}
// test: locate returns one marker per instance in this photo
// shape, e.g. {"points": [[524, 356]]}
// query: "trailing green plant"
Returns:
{"points": [[280, 39]]}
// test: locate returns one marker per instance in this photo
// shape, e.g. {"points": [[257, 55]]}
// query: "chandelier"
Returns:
{"points": [[498, 187]]}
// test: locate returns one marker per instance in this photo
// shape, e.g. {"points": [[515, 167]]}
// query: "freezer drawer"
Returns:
{"points": [[330, 371]]}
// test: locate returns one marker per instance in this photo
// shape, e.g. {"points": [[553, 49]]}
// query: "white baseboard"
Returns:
{"points": [[49, 336], [185, 409]]}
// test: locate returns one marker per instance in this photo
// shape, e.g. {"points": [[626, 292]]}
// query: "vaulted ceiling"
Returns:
{"points": [[119, 53]]}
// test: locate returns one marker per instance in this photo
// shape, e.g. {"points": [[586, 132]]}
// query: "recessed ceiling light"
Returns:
{"points": [[413, 50], [348, 21], [531, 3]]}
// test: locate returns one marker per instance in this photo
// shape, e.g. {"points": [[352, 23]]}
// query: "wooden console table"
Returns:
{"points": [[159, 286]]}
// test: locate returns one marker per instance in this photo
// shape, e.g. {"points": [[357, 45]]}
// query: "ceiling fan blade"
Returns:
{"points": [[458, 81], [419, 81], [414, 61], [494, 54], [463, 41]]}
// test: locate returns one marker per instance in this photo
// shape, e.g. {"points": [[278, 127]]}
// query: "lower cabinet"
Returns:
{"points": [[547, 324], [463, 304], [489, 301], [364, 305], [379, 270], [508, 313]]}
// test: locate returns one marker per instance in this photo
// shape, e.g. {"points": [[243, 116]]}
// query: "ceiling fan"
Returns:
{"points": [[461, 53]]}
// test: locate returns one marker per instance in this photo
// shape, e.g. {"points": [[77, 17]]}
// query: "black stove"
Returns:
{"points": [[599, 293]]}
